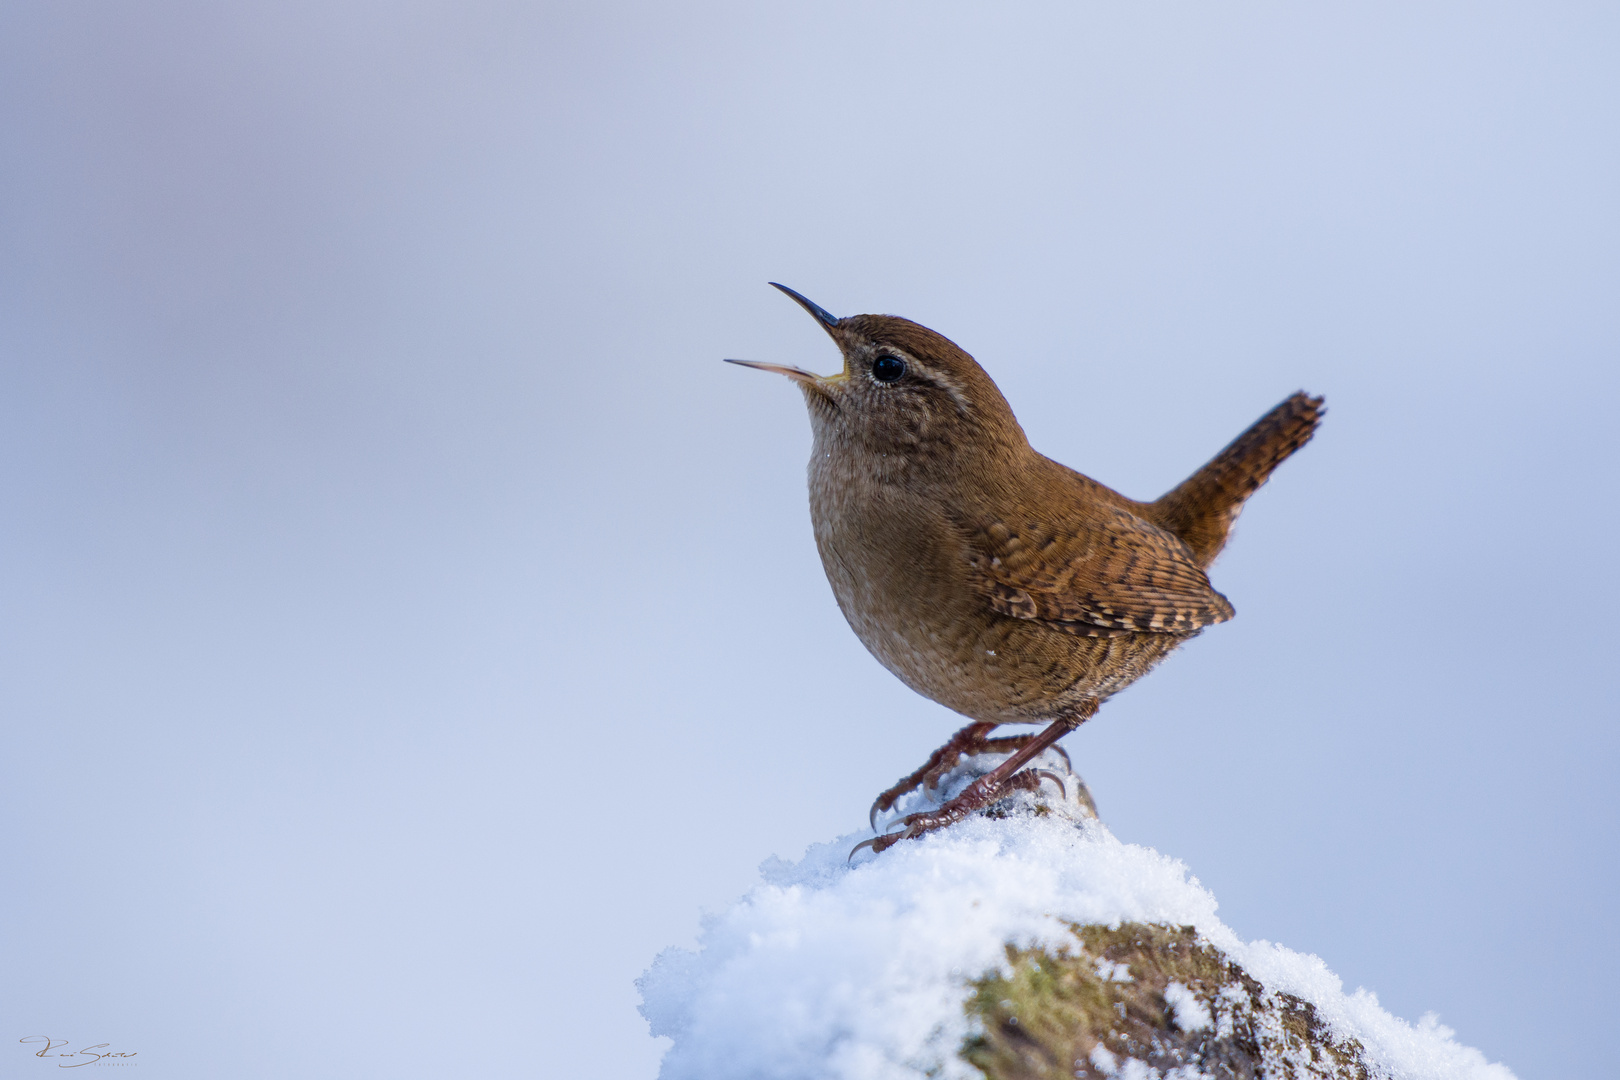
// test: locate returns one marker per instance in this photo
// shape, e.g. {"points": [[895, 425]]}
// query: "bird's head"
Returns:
{"points": [[904, 390]]}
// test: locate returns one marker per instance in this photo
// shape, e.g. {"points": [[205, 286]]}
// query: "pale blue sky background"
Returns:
{"points": [[408, 625]]}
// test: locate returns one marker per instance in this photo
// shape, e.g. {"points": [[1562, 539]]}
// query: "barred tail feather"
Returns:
{"points": [[1202, 508]]}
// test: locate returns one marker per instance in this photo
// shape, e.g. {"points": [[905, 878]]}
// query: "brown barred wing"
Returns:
{"points": [[1114, 575]]}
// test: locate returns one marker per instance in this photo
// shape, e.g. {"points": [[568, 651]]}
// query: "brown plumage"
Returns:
{"points": [[986, 576], [1201, 509]]}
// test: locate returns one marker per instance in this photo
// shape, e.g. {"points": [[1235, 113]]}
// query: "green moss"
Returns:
{"points": [[1052, 1011]]}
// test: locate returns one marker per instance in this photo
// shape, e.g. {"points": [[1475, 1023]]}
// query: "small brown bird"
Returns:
{"points": [[987, 576]]}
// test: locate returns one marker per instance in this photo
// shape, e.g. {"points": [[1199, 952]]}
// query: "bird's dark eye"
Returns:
{"points": [[888, 369]]}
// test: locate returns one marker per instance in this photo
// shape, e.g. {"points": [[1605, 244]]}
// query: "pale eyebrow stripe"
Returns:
{"points": [[964, 404]]}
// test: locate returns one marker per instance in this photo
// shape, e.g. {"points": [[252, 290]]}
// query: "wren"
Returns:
{"points": [[988, 577]]}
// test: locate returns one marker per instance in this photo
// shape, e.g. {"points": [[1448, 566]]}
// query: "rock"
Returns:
{"points": [[1025, 941], [1153, 997]]}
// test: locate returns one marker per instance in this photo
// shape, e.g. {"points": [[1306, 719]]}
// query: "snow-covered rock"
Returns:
{"points": [[1025, 942]]}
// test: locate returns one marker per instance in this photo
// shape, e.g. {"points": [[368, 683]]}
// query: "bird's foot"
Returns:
{"points": [[941, 761], [1007, 777], [985, 791], [971, 740]]}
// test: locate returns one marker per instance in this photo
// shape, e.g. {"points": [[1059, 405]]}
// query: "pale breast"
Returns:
{"points": [[899, 566]]}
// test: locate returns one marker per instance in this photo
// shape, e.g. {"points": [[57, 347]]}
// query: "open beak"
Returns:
{"points": [[799, 375], [827, 322], [796, 374]]}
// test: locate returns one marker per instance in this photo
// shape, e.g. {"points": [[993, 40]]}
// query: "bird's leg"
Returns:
{"points": [[990, 787], [1003, 744], [1006, 744], [964, 743], [971, 740]]}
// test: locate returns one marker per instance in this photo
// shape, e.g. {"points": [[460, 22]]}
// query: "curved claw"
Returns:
{"points": [[885, 840], [872, 843], [1057, 749], [879, 843], [1055, 778], [876, 810]]}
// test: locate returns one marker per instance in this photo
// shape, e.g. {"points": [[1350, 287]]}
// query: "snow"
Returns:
{"points": [[1190, 1013], [1107, 969], [859, 970]]}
